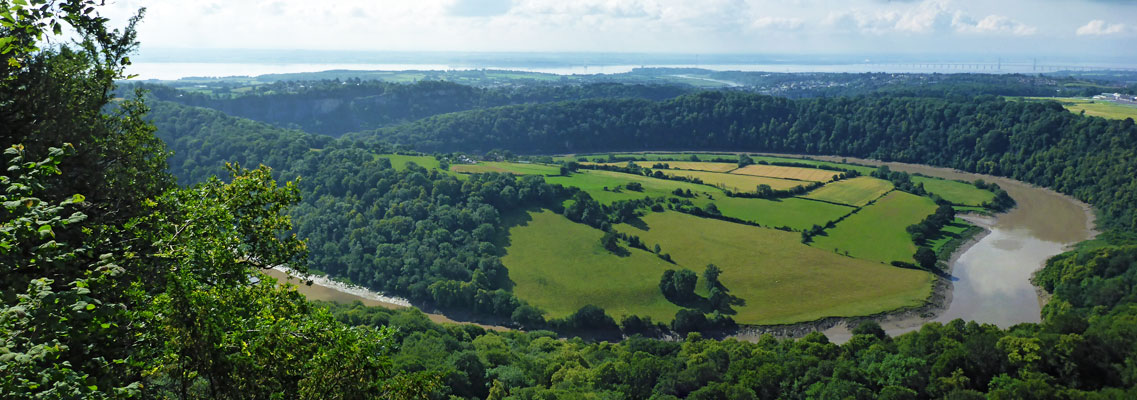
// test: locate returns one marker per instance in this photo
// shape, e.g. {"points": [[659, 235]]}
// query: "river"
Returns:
{"points": [[990, 277]]}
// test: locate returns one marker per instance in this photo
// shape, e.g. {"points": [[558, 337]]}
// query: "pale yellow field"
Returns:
{"points": [[774, 171], [685, 165], [736, 183], [855, 192], [692, 165]]}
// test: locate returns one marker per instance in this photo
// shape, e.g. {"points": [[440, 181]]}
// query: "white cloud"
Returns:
{"points": [[992, 24], [778, 23], [1098, 27], [622, 25], [927, 17], [922, 18]]}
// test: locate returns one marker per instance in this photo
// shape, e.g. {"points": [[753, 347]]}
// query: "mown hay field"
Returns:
{"points": [[734, 182], [683, 165], [854, 192], [798, 173]]}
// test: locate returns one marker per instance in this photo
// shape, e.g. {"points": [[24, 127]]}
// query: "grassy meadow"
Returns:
{"points": [[506, 167], [951, 231], [560, 266], [857, 191], [400, 161], [878, 232], [594, 182], [791, 212], [781, 280], [1096, 108], [956, 192], [795, 213]]}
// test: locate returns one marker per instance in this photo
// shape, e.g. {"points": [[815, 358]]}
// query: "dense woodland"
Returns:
{"points": [[827, 84], [334, 107], [120, 283], [1090, 158]]}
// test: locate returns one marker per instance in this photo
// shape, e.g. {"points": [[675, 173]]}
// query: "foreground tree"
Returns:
{"points": [[119, 284]]}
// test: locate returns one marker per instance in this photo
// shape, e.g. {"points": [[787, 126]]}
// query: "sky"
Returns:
{"points": [[1072, 28]]}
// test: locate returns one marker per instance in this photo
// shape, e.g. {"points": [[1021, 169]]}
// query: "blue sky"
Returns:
{"points": [[1016, 27]]}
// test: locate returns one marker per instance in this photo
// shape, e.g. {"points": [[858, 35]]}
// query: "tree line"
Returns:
{"points": [[1089, 158], [334, 107]]}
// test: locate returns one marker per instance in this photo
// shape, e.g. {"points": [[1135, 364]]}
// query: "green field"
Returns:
{"points": [[878, 232], [507, 167], [559, 266], [1096, 108], [737, 183], [951, 231], [791, 212], [955, 192], [400, 161], [594, 182], [855, 192], [795, 213], [781, 280]]}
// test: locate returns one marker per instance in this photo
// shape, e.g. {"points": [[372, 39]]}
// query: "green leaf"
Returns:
{"points": [[45, 231], [90, 307]]}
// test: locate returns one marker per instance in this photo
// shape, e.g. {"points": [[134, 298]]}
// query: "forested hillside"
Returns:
{"points": [[1041, 143], [828, 84], [334, 107]]}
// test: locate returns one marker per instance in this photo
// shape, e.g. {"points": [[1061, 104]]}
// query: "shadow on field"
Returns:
{"points": [[705, 306], [638, 223], [621, 252], [509, 220]]}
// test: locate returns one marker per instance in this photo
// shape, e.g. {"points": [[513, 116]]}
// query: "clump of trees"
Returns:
{"points": [[901, 180], [1002, 200], [679, 285], [930, 227]]}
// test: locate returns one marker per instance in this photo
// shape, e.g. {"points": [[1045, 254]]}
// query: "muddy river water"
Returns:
{"points": [[990, 278]]}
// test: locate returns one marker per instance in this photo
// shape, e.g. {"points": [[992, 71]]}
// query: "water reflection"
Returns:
{"points": [[993, 279]]}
